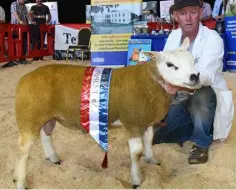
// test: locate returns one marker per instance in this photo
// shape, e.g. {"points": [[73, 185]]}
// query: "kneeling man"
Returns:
{"points": [[207, 113]]}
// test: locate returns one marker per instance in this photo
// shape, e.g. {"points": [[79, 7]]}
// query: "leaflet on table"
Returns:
{"points": [[135, 49]]}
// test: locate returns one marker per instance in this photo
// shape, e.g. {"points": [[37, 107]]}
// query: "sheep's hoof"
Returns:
{"points": [[135, 186], [152, 161], [21, 187], [56, 162]]}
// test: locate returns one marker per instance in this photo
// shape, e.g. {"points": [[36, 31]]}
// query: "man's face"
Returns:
{"points": [[21, 1], [39, 2], [188, 18]]}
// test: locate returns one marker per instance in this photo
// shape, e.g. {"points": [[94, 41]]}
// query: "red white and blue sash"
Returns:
{"points": [[94, 104]]}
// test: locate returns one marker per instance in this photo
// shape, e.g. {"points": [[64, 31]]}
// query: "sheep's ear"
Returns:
{"points": [[185, 45], [153, 55]]}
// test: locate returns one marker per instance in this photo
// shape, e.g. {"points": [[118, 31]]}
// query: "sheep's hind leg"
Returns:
{"points": [[26, 143], [46, 140]]}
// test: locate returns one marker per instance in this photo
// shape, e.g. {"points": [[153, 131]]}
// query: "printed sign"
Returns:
{"points": [[135, 48], [65, 37]]}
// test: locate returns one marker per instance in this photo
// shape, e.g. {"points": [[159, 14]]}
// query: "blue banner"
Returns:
{"points": [[103, 108], [230, 35]]}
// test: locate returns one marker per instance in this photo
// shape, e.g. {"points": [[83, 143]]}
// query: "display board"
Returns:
{"points": [[112, 26]]}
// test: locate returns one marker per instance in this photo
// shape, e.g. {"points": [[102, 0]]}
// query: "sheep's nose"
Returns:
{"points": [[194, 77]]}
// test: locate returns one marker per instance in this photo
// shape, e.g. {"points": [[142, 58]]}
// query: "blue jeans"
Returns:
{"points": [[190, 117]]}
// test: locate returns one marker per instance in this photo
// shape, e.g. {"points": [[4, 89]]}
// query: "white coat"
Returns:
{"points": [[208, 48]]}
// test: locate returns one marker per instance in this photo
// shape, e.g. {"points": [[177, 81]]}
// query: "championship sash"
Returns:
{"points": [[94, 105]]}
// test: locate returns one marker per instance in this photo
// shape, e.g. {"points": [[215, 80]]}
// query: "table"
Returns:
{"points": [[158, 43]]}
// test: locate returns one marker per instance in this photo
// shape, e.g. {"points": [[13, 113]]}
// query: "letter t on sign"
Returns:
{"points": [[67, 37]]}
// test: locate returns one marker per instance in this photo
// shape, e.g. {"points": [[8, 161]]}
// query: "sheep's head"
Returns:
{"points": [[177, 67]]}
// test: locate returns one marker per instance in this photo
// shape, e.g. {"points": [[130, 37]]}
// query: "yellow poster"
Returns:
{"points": [[108, 43], [111, 2]]}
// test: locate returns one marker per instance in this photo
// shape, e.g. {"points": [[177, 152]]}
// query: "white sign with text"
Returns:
{"points": [[164, 8]]}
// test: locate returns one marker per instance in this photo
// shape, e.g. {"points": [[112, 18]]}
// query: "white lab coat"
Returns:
{"points": [[209, 49], [151, 18]]}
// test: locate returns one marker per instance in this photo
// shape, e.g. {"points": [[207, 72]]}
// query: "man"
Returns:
{"points": [[40, 14], [207, 113], [218, 10], [19, 15], [206, 11], [2, 15], [2, 21]]}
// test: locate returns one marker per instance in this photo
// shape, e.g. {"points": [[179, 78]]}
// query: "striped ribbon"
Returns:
{"points": [[94, 104]]}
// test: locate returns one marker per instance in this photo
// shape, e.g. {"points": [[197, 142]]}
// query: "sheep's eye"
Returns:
{"points": [[169, 64]]}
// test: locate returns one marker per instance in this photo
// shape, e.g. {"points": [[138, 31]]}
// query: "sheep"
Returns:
{"points": [[51, 94]]}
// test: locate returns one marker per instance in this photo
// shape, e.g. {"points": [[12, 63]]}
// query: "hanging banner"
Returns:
{"points": [[112, 26], [230, 35], [53, 8]]}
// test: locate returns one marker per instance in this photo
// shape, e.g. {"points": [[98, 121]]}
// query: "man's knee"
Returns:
{"points": [[203, 98]]}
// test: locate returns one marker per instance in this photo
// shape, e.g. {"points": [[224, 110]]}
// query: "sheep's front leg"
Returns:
{"points": [[136, 149], [147, 140]]}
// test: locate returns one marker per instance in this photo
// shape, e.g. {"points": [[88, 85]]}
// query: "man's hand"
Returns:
{"points": [[23, 23], [219, 17]]}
